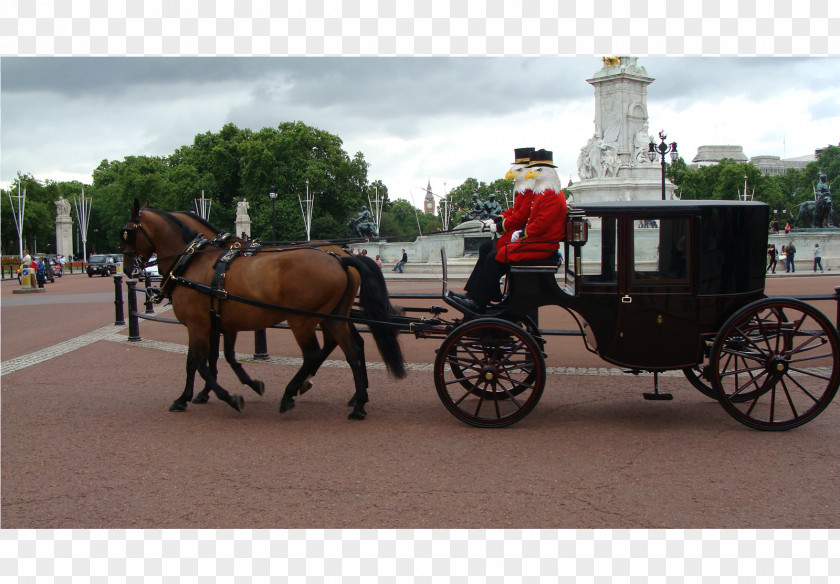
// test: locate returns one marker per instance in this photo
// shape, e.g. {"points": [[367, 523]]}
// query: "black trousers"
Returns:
{"points": [[483, 283]]}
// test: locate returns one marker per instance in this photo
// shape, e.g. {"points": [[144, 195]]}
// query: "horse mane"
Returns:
{"points": [[201, 220], [187, 233]]}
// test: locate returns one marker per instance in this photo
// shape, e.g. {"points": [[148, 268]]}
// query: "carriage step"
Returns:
{"points": [[656, 396]]}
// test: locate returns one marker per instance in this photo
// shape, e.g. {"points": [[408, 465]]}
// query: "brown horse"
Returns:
{"points": [[304, 287], [203, 227]]}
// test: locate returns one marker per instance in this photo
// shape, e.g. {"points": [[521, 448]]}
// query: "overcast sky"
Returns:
{"points": [[414, 119]]}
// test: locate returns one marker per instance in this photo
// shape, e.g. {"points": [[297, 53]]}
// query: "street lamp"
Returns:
{"points": [[661, 150], [272, 194]]}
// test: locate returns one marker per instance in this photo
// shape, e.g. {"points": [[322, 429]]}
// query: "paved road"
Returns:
{"points": [[87, 441]]}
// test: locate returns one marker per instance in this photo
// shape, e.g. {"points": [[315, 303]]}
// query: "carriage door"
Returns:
{"points": [[656, 322]]}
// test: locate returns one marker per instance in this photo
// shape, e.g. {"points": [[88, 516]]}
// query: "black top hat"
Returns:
{"points": [[542, 158], [522, 155]]}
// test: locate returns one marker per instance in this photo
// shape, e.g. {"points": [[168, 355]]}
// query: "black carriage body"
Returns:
{"points": [[656, 279]]}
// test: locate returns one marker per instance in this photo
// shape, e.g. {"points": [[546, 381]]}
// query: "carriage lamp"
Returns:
{"points": [[272, 194], [660, 150], [577, 228]]}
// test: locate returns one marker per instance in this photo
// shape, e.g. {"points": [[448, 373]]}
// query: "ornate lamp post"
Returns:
{"points": [[272, 194], [661, 150]]}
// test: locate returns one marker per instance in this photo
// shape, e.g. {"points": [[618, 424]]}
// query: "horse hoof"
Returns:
{"points": [[258, 387], [357, 415], [200, 399], [304, 387], [286, 406], [237, 402], [178, 407]]}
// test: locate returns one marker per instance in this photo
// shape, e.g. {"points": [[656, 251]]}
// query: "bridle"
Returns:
{"points": [[128, 235]]}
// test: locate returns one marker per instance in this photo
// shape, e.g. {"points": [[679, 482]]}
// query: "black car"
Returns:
{"points": [[102, 264]]}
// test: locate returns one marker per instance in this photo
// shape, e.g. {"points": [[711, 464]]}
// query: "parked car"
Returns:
{"points": [[102, 264]]}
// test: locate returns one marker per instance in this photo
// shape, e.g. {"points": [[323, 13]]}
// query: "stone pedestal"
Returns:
{"points": [[64, 236]]}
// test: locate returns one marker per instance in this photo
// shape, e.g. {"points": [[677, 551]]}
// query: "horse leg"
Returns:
{"points": [[329, 345], [180, 404], [213, 359], [198, 354], [312, 359], [352, 344], [230, 356]]}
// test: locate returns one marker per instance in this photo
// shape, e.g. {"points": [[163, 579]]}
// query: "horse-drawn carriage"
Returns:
{"points": [[685, 295]]}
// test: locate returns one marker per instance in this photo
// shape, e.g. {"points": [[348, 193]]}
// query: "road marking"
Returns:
{"points": [[112, 333]]}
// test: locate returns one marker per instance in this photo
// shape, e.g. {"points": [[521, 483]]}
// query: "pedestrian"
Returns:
{"points": [[26, 260], [771, 258], [403, 261], [41, 272], [378, 261], [787, 228], [791, 251], [818, 258]]}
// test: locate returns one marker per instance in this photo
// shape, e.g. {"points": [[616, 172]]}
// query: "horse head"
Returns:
{"points": [[151, 232]]}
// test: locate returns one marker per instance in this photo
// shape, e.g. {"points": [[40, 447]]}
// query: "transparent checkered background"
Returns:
{"points": [[430, 27], [396, 27], [460, 556]]}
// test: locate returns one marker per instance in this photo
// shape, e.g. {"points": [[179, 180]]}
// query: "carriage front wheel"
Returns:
{"points": [[775, 364], [489, 373]]}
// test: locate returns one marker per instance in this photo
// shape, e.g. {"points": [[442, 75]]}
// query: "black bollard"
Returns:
{"points": [[118, 299], [133, 320], [150, 306], [260, 345]]}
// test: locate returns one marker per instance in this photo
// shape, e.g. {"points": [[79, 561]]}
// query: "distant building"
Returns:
{"points": [[773, 165], [708, 155], [768, 165]]}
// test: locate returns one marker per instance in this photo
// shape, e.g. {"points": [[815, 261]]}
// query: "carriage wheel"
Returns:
{"points": [[532, 329], [775, 364], [489, 373], [695, 376]]}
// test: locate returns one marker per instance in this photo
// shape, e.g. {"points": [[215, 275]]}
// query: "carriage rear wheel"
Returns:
{"points": [[489, 373], [775, 364]]}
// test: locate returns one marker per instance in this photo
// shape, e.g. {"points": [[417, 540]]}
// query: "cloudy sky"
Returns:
{"points": [[415, 120]]}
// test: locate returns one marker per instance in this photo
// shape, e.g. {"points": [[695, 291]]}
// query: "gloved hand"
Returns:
{"points": [[488, 226], [499, 221], [516, 235]]}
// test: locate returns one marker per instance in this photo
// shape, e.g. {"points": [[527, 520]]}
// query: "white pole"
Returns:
{"points": [[18, 214], [202, 206], [83, 205], [306, 205]]}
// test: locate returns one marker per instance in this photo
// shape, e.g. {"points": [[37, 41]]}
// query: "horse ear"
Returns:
{"points": [[135, 209]]}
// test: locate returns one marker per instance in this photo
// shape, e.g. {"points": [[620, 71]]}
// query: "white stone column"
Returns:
{"points": [[63, 229]]}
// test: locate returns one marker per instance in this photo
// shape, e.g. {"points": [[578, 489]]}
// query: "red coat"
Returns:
{"points": [[545, 229], [517, 216]]}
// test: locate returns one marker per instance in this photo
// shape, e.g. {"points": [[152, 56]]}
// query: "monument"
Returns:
{"points": [[242, 222], [363, 225], [63, 228], [613, 165]]}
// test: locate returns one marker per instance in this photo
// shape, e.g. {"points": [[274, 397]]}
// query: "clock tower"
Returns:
{"points": [[429, 201]]}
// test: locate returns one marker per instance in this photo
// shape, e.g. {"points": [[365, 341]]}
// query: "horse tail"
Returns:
{"points": [[376, 306]]}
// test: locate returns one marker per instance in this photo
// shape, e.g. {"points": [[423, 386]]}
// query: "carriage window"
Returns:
{"points": [[598, 256], [660, 249]]}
